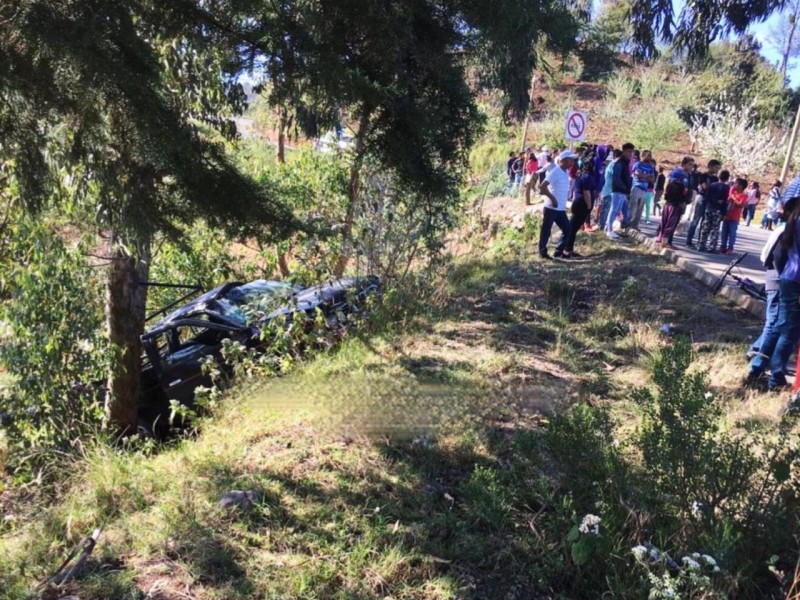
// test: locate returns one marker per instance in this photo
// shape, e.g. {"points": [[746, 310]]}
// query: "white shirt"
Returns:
{"points": [[558, 186]]}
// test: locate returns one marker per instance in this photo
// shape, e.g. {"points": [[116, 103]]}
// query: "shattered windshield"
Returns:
{"points": [[243, 304]]}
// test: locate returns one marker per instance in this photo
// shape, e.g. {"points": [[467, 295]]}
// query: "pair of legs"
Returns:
{"points": [[729, 229], [710, 233], [670, 217], [657, 202], [777, 345], [580, 215], [648, 205], [551, 217], [697, 219], [770, 318], [636, 203], [604, 209], [619, 203], [749, 213], [530, 186]]}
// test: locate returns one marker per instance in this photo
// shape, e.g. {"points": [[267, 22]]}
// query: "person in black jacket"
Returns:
{"points": [[620, 189], [716, 201]]}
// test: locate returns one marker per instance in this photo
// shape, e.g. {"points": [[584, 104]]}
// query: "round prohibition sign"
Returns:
{"points": [[576, 125]]}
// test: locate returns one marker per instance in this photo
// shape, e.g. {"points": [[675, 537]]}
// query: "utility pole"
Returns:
{"points": [[792, 144]]}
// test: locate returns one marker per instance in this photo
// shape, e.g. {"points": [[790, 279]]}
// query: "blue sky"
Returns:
{"points": [[761, 31]]}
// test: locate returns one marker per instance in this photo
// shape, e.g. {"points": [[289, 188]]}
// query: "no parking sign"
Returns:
{"points": [[575, 126]]}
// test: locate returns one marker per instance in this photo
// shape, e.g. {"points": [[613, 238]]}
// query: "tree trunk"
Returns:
{"points": [[125, 319], [281, 157], [283, 264], [353, 192], [787, 51]]}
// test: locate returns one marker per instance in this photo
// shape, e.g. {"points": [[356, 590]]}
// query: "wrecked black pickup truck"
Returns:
{"points": [[176, 346]]}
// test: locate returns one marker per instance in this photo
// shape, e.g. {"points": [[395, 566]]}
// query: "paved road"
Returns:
{"points": [[749, 239]]}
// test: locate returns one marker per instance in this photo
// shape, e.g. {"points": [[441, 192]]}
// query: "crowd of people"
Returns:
{"points": [[618, 187]]}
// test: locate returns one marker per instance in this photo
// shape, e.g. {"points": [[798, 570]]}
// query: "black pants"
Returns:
{"points": [[580, 215], [552, 217]]}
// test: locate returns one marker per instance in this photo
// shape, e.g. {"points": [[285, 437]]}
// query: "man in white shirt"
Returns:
{"points": [[556, 188]]}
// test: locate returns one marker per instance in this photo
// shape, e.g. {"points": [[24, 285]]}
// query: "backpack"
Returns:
{"points": [[777, 257]]}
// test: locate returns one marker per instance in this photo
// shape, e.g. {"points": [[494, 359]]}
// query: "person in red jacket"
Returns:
{"points": [[531, 176], [730, 222]]}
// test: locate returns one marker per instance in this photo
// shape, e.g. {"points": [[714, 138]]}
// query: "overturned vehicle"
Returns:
{"points": [[177, 346]]}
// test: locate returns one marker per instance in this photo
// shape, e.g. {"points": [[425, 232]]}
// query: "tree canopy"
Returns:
{"points": [[693, 27]]}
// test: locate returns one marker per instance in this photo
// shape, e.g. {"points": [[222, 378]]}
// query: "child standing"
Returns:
{"points": [[661, 180], [730, 223], [753, 197], [773, 204]]}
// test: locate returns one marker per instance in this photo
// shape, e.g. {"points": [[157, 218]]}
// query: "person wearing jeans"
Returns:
{"points": [[781, 341], [621, 182], [730, 222], [644, 177], [556, 188]]}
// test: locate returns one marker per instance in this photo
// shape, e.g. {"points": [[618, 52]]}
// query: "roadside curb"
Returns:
{"points": [[742, 300]]}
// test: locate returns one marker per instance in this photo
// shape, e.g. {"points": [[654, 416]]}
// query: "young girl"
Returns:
{"points": [[737, 199], [773, 206], [753, 194], [661, 181], [676, 196]]}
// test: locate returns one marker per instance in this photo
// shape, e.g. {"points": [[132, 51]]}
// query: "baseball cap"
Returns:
{"points": [[677, 174], [566, 154]]}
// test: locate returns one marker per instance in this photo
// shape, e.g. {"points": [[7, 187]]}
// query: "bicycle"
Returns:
{"points": [[747, 285]]}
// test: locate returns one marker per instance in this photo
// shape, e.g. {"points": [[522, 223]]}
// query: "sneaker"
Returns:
{"points": [[753, 377], [613, 235], [559, 255], [545, 256], [691, 245]]}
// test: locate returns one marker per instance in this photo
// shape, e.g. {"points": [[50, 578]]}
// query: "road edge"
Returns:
{"points": [[738, 297]]}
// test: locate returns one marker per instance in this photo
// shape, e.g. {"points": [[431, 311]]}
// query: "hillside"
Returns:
{"points": [[492, 425]]}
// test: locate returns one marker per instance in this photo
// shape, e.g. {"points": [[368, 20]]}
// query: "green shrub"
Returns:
{"points": [[655, 127], [702, 509], [52, 346]]}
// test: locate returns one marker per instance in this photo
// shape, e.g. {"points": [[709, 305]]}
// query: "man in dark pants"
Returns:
{"points": [[556, 188], [583, 195], [704, 180], [716, 204]]}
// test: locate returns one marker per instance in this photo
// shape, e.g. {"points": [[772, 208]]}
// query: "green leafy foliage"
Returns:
{"points": [[52, 346]]}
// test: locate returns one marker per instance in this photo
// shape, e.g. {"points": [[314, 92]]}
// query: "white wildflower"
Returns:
{"points": [[669, 593], [696, 555], [709, 395], [639, 552], [696, 506], [716, 569], [590, 524], [691, 563], [709, 560]]}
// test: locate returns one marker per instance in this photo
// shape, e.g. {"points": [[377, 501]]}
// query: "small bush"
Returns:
{"points": [[655, 127]]}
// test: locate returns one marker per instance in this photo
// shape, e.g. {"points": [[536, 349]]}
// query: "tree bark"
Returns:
{"points": [[353, 193], [281, 157], [126, 303]]}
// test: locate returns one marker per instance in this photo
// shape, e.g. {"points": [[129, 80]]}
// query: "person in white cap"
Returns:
{"points": [[556, 188]]}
